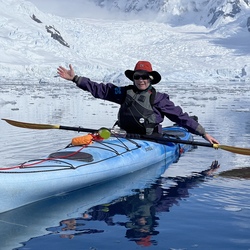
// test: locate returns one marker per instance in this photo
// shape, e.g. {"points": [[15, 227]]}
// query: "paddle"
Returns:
{"points": [[236, 150], [232, 149]]}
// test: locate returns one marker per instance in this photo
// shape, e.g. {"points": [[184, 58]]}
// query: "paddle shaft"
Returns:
{"points": [[78, 129], [89, 130], [174, 140], [147, 137], [163, 140]]}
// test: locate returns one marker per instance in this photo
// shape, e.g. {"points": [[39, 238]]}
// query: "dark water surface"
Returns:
{"points": [[161, 207]]}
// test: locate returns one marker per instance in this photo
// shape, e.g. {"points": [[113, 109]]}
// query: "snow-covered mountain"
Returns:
{"points": [[185, 40], [181, 12]]}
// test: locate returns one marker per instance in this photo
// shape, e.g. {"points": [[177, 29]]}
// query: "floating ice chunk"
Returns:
{"points": [[232, 208]]}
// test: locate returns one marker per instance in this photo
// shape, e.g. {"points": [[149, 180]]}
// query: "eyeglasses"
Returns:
{"points": [[142, 76]]}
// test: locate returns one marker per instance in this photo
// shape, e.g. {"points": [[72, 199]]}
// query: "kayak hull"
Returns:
{"points": [[77, 167]]}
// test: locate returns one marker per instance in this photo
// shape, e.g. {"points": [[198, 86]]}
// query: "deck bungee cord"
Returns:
{"points": [[28, 164], [84, 142]]}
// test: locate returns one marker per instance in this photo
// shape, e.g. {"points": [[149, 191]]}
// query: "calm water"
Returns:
{"points": [[179, 208]]}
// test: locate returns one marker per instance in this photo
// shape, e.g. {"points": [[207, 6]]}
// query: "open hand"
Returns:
{"points": [[67, 74]]}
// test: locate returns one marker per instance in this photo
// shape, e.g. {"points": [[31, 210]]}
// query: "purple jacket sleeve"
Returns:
{"points": [[165, 107], [109, 91]]}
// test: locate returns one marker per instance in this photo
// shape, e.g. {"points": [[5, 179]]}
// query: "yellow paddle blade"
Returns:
{"points": [[51, 126], [31, 125], [236, 150]]}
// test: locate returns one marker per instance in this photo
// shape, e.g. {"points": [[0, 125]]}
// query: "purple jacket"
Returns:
{"points": [[162, 105]]}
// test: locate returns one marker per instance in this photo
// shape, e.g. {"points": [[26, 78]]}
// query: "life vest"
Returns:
{"points": [[136, 114]]}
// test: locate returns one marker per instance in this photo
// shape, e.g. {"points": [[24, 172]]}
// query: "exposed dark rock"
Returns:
{"points": [[248, 24], [216, 16], [219, 12], [36, 19], [235, 9], [55, 34]]}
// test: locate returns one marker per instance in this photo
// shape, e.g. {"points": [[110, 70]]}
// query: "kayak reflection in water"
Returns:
{"points": [[141, 208]]}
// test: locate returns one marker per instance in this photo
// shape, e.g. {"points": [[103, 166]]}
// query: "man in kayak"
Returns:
{"points": [[142, 108]]}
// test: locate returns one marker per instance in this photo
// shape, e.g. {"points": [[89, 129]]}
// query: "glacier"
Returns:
{"points": [[194, 41]]}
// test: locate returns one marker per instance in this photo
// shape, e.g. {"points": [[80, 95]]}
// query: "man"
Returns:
{"points": [[142, 108]]}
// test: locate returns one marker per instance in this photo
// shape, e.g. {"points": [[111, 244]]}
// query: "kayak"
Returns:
{"points": [[75, 167]]}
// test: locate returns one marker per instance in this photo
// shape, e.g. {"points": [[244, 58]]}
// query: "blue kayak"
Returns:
{"points": [[76, 167]]}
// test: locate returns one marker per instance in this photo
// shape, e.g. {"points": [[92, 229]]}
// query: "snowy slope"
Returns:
{"points": [[180, 40]]}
